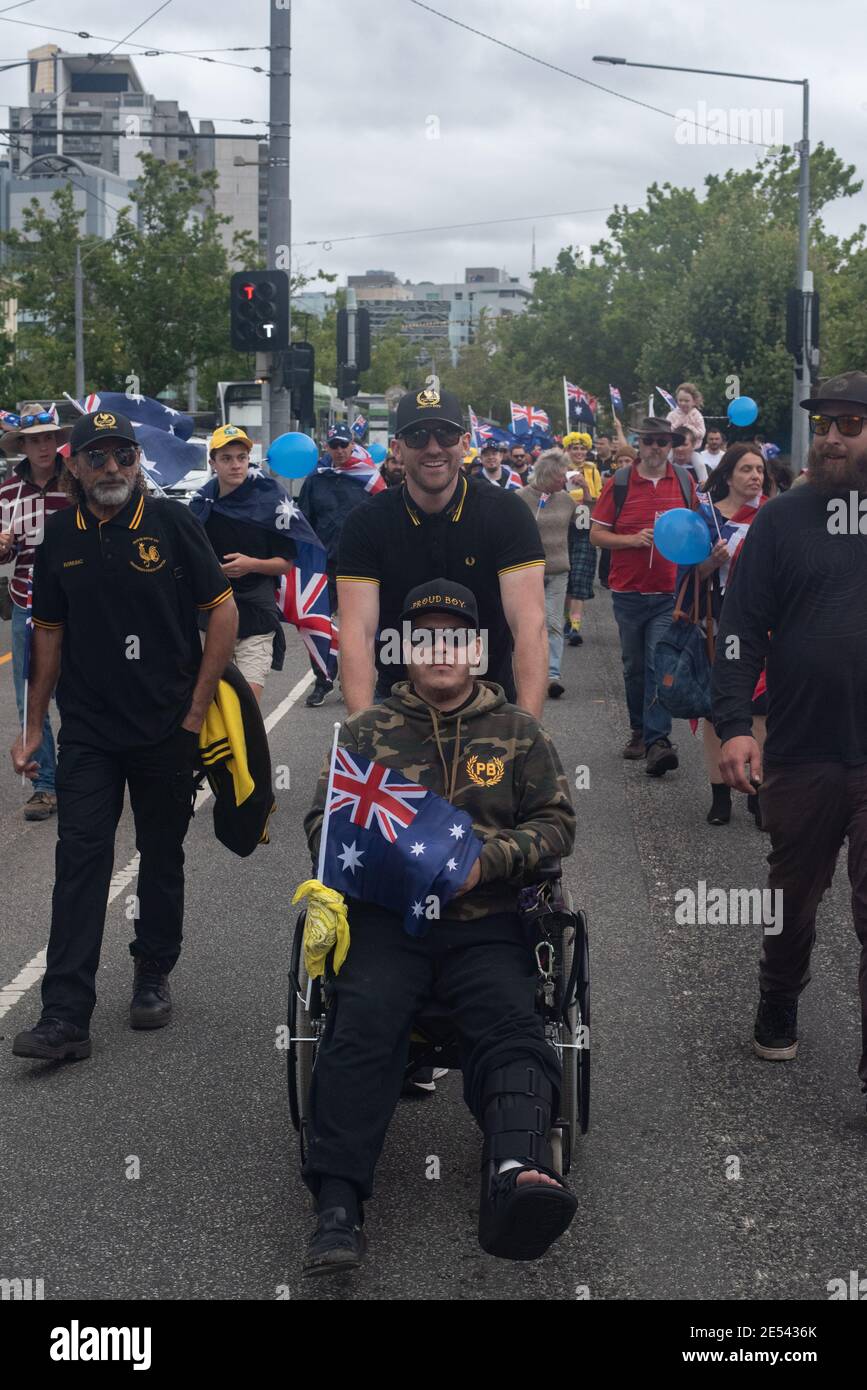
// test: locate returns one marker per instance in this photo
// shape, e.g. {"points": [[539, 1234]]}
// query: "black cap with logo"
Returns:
{"points": [[100, 425], [429, 406], [441, 596], [848, 386]]}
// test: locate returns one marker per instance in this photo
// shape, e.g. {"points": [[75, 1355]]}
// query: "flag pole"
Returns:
{"points": [[323, 837], [566, 404]]}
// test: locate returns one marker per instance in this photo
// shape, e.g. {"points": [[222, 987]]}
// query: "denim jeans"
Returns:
{"points": [[642, 619], [555, 598], [45, 755]]}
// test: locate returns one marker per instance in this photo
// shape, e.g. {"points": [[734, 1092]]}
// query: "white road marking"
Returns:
{"points": [[35, 968]]}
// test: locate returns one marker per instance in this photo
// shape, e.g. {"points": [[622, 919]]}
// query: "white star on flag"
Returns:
{"points": [[138, 398], [417, 909], [457, 831], [255, 471], [417, 849], [451, 865], [351, 856], [287, 508]]}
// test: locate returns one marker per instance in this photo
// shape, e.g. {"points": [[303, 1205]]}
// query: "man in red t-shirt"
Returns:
{"points": [[642, 582]]}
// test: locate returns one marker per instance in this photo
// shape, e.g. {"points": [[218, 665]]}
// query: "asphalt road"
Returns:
{"points": [[218, 1210]]}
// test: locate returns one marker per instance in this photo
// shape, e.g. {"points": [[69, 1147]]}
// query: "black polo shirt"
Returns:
{"points": [[126, 593], [255, 594], [482, 534]]}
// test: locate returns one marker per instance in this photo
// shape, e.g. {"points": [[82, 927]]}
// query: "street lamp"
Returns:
{"points": [[802, 378]]}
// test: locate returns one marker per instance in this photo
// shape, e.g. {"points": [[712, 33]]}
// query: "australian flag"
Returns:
{"points": [[302, 596], [616, 398], [582, 406], [390, 841], [161, 433]]}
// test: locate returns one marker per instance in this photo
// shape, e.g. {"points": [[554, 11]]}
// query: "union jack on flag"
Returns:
{"points": [[374, 793], [302, 598], [531, 415], [669, 400], [392, 842], [359, 425]]}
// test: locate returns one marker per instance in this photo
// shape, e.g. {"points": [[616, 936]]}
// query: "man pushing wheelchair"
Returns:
{"points": [[443, 772]]}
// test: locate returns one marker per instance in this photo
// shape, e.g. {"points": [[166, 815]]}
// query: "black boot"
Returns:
{"points": [[720, 812], [53, 1040], [520, 1222], [151, 1005]]}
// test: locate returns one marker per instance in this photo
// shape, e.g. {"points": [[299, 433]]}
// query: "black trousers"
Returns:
{"points": [[90, 788], [483, 972]]}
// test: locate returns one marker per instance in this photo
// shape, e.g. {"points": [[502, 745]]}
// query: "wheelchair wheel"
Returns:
{"points": [[575, 1056], [303, 1026]]}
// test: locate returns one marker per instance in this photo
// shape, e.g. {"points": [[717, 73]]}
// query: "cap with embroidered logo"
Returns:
{"points": [[428, 406], [441, 596], [228, 434], [100, 425]]}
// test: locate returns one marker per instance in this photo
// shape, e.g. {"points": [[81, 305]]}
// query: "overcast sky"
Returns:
{"points": [[373, 81]]}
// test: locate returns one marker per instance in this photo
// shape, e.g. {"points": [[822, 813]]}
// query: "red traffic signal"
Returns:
{"points": [[260, 310]]}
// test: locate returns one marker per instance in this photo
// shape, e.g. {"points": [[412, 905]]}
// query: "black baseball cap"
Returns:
{"points": [[97, 426], [340, 434], [848, 386], [428, 406], [441, 596]]}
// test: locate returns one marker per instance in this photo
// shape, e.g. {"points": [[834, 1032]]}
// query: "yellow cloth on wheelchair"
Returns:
{"points": [[326, 926]]}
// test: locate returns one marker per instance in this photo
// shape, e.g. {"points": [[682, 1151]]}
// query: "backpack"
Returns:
{"points": [[683, 659], [621, 487]]}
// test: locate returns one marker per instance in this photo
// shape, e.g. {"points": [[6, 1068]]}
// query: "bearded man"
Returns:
{"points": [[798, 600]]}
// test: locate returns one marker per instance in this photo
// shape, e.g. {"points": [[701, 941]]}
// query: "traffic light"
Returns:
{"points": [[299, 371], [347, 382], [362, 339], [260, 310]]}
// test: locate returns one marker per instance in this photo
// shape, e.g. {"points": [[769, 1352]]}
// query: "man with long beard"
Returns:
{"points": [[798, 598]]}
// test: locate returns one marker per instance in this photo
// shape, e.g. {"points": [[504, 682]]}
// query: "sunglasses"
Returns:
{"points": [[45, 417], [660, 439], [339, 444], [447, 436], [124, 457], [848, 425]]}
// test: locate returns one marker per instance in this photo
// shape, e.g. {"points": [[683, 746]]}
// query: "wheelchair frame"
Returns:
{"points": [[558, 936]]}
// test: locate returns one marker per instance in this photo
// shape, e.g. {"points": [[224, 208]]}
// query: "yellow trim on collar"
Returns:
{"points": [[134, 524]]}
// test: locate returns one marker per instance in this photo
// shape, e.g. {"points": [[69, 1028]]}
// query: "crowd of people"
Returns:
{"points": [[507, 542]]}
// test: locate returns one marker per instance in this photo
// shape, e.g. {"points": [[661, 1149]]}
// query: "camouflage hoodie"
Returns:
{"points": [[490, 759]]}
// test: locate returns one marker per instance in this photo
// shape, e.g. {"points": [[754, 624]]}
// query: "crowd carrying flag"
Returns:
{"points": [[669, 400], [529, 415], [393, 842], [302, 596], [162, 433], [616, 398], [581, 407]]}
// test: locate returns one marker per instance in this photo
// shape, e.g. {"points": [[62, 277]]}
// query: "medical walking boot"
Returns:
{"points": [[520, 1220], [151, 1005]]}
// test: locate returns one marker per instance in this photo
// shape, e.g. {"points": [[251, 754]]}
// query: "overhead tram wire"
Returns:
{"points": [[152, 50], [328, 242], [576, 77]]}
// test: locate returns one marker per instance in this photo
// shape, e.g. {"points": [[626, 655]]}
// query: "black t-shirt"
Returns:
{"points": [[255, 593], [482, 534], [807, 586], [126, 593]]}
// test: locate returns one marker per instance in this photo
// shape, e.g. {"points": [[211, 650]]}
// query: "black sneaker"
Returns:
{"points": [[423, 1081], [151, 1005], [574, 638], [336, 1245], [318, 693], [775, 1036], [556, 688], [661, 758], [53, 1039]]}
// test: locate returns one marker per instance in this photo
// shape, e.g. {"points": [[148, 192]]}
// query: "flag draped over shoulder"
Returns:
{"points": [[361, 468], [392, 842], [162, 433], [302, 594]]}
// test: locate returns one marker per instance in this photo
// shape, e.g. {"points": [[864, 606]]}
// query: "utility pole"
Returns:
{"points": [[79, 324], [804, 369], [274, 393]]}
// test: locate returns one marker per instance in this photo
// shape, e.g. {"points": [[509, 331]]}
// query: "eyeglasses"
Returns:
{"points": [[849, 426], [124, 457], [660, 439], [339, 444], [447, 436]]}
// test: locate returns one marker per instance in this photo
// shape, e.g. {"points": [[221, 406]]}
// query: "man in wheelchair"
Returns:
{"points": [[457, 736]]}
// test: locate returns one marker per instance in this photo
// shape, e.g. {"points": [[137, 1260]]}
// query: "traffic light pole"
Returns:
{"points": [[274, 396]]}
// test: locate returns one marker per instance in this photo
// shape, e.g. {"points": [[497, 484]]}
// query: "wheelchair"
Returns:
{"points": [[558, 938]]}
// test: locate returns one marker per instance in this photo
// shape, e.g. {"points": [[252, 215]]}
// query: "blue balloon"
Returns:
{"points": [[743, 410], [292, 455], [682, 536], [377, 452]]}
